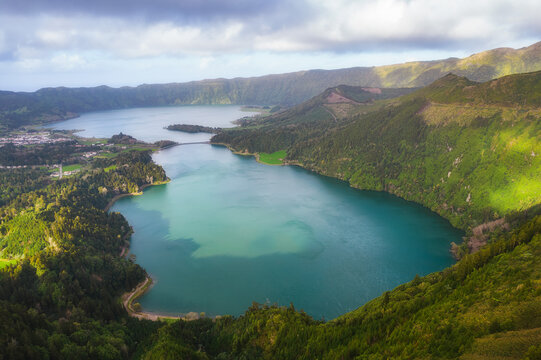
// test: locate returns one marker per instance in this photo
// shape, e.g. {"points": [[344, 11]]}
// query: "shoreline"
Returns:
{"points": [[73, 115], [128, 301], [453, 247], [128, 298], [125, 249], [255, 155], [142, 187]]}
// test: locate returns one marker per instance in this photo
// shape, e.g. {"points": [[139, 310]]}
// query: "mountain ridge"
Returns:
{"points": [[49, 104]]}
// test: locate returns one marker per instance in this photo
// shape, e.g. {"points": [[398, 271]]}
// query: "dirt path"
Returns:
{"points": [[129, 298], [124, 249]]}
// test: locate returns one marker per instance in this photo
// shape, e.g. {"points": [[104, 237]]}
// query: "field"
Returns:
{"points": [[106, 155], [6, 262], [65, 168], [276, 158], [71, 167]]}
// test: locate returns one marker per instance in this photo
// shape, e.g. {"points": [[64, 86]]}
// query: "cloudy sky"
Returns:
{"points": [[129, 42]]}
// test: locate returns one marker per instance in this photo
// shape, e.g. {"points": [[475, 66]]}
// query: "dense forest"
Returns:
{"points": [[192, 129], [49, 104], [61, 270]]}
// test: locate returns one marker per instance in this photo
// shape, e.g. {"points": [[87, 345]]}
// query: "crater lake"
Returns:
{"points": [[227, 231]]}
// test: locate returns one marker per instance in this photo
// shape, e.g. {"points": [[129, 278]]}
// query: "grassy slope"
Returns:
{"points": [[6, 262], [473, 159], [71, 167], [276, 158], [479, 67], [304, 121], [27, 235]]}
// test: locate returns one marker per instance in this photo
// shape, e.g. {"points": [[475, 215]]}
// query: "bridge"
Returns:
{"points": [[194, 143]]}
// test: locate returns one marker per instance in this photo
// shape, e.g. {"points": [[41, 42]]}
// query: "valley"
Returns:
{"points": [[340, 254]]}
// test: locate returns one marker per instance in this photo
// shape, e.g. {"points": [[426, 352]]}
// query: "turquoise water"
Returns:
{"points": [[227, 231]]}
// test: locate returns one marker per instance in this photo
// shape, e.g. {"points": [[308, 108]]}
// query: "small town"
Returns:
{"points": [[31, 139]]}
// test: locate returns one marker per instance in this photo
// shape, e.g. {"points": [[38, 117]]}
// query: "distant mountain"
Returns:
{"points": [[469, 151], [480, 67], [18, 108]]}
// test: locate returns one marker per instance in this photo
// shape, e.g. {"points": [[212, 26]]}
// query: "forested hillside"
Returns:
{"points": [[60, 270], [51, 104], [469, 151]]}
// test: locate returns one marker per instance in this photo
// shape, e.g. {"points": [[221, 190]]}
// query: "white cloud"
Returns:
{"points": [[205, 62], [326, 34], [29, 64], [65, 61], [336, 25], [52, 38], [2, 41]]}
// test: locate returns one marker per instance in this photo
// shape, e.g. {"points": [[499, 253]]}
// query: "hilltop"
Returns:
{"points": [[50, 104]]}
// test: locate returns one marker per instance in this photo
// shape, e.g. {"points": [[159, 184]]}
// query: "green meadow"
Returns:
{"points": [[276, 158]]}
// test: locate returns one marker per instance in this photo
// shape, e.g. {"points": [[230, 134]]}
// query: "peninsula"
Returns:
{"points": [[192, 129]]}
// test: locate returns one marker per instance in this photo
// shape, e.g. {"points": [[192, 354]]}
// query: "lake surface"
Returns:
{"points": [[227, 230], [148, 124]]}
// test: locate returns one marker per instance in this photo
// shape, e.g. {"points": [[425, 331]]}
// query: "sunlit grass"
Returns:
{"points": [[520, 194], [508, 345], [276, 158], [106, 155], [6, 262], [71, 167]]}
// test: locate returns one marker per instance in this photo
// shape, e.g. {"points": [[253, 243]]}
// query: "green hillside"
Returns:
{"points": [[469, 151], [478, 67], [61, 275], [284, 89]]}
